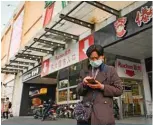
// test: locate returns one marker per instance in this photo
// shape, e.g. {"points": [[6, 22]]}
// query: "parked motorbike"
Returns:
{"points": [[49, 111], [38, 112]]}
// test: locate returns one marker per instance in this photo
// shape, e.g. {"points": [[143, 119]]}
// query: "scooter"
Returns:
{"points": [[38, 113], [49, 112]]}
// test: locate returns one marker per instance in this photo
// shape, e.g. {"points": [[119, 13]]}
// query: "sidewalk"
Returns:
{"points": [[31, 121], [136, 120]]}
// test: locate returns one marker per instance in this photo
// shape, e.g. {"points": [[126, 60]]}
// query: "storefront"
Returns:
{"points": [[67, 65], [122, 41], [127, 43], [36, 90]]}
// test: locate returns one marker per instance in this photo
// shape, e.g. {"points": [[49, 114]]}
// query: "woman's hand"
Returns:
{"points": [[96, 86], [85, 80]]}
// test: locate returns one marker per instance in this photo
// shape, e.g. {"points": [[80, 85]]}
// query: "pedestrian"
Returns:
{"points": [[99, 83], [7, 106]]}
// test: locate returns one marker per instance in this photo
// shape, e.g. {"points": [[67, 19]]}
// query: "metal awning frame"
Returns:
{"points": [[64, 34]]}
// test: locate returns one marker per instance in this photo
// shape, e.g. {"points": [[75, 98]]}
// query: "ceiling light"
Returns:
{"points": [[30, 58], [47, 51], [24, 57]]}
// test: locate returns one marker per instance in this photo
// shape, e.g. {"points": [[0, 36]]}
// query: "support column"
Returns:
{"points": [[147, 94], [16, 102]]}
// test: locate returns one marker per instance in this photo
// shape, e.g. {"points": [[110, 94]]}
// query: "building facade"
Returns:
{"points": [[49, 52]]}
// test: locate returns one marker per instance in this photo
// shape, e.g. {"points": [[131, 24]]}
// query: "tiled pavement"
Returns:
{"points": [[31, 121]]}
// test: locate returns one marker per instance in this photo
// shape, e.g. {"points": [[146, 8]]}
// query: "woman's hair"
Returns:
{"points": [[97, 48]]}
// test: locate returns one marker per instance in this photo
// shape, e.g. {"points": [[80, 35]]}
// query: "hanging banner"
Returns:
{"points": [[128, 69], [48, 14], [16, 35], [84, 45]]}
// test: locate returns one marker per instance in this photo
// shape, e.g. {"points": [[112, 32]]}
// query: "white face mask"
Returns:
{"points": [[96, 63]]}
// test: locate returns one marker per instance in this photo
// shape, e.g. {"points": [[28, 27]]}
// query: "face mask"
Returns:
{"points": [[96, 63]]}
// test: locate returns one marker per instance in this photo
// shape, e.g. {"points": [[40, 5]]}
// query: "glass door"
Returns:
{"points": [[132, 98]]}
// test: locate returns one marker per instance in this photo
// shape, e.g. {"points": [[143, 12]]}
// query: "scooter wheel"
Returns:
{"points": [[35, 117]]}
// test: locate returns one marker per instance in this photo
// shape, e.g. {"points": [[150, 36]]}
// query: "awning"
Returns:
{"points": [[73, 21]]}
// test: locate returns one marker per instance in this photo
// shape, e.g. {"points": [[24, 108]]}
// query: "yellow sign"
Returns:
{"points": [[43, 90]]}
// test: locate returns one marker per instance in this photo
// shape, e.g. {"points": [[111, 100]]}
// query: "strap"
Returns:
{"points": [[94, 75]]}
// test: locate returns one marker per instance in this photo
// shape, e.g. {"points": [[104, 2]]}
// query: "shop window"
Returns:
{"points": [[75, 69], [63, 95], [63, 74], [74, 79], [132, 98], [63, 84], [73, 94]]}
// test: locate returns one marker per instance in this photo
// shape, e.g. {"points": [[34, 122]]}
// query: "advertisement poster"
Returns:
{"points": [[16, 35]]}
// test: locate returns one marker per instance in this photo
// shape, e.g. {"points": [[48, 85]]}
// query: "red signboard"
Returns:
{"points": [[83, 46], [144, 16], [119, 27], [45, 67], [48, 14]]}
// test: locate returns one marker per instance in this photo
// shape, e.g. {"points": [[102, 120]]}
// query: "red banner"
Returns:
{"points": [[45, 67], [48, 15], [84, 45]]}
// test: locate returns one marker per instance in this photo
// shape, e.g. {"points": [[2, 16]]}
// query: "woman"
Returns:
{"points": [[108, 85]]}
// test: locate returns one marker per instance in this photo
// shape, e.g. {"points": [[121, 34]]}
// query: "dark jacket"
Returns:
{"points": [[103, 103]]}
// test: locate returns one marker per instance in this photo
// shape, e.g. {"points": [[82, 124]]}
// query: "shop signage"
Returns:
{"points": [[128, 69], [144, 16], [108, 35], [48, 14], [120, 27], [31, 74], [62, 59], [83, 46]]}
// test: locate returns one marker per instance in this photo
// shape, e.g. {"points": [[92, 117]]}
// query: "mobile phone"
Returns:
{"points": [[92, 81]]}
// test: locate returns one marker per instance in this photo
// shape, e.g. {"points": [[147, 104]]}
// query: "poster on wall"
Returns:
{"points": [[128, 69], [16, 35]]}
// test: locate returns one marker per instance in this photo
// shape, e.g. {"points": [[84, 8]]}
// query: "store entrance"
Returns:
{"points": [[132, 98]]}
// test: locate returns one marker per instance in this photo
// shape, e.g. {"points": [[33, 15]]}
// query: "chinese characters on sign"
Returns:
{"points": [[120, 27], [144, 16], [64, 58], [61, 59]]}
